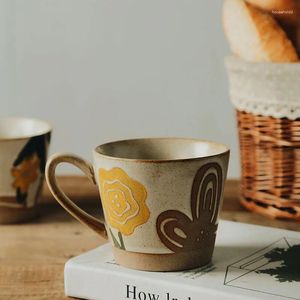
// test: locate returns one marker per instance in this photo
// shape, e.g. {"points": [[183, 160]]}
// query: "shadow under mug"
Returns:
{"points": [[161, 199]]}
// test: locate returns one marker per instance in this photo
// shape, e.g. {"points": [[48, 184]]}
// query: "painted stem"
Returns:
{"points": [[118, 244], [121, 240]]}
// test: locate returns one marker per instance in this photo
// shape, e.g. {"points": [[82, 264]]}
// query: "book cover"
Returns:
{"points": [[249, 262]]}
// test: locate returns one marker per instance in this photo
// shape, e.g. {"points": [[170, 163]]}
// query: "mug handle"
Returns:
{"points": [[63, 199]]}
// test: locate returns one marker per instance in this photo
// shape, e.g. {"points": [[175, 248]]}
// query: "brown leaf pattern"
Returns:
{"points": [[180, 233]]}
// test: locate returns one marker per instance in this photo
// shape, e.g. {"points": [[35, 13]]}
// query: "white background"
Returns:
{"points": [[101, 70]]}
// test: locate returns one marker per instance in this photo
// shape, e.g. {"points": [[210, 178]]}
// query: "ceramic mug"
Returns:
{"points": [[23, 153], [161, 199]]}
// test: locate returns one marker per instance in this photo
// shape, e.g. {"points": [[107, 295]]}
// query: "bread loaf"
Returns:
{"points": [[255, 35], [286, 10], [287, 13]]}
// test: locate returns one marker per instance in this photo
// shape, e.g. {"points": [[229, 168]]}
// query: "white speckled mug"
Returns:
{"points": [[161, 199]]}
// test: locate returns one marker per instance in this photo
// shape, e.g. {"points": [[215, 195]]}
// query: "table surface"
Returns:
{"points": [[33, 255]]}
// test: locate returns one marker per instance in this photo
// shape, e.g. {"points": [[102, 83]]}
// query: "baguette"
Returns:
{"points": [[288, 11], [254, 35]]}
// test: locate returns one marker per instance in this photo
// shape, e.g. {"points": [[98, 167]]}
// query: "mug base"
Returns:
{"points": [[12, 215], [163, 262]]}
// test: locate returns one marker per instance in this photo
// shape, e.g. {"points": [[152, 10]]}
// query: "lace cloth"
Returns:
{"points": [[268, 89]]}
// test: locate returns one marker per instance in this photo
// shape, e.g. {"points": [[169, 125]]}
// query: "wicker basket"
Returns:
{"points": [[270, 160], [267, 101]]}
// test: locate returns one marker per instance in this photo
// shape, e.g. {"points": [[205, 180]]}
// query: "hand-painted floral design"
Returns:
{"points": [[179, 232], [28, 167], [26, 173], [124, 200]]}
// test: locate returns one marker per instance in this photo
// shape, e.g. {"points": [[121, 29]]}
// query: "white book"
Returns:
{"points": [[249, 262]]}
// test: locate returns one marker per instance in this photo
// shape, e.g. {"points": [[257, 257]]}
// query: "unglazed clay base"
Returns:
{"points": [[163, 262], [10, 215]]}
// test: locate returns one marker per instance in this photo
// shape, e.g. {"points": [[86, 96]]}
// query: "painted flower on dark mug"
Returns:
{"points": [[29, 166], [124, 202], [26, 173]]}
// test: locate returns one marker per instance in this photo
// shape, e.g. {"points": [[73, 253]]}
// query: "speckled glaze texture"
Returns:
{"points": [[161, 199], [168, 186]]}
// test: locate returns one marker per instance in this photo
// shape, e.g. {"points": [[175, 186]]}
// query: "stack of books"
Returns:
{"points": [[249, 262]]}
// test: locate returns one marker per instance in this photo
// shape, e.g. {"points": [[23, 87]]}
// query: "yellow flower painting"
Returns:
{"points": [[26, 173], [123, 199]]}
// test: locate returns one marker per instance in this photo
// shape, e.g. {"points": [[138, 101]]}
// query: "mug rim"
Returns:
{"points": [[25, 136], [143, 160]]}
